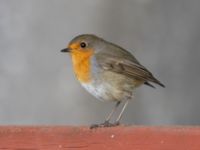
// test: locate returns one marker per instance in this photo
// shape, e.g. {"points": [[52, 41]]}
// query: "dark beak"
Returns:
{"points": [[65, 50]]}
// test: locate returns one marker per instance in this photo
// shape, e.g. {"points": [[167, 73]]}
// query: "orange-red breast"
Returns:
{"points": [[107, 71]]}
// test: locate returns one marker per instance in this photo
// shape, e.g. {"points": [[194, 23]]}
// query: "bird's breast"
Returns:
{"points": [[82, 65]]}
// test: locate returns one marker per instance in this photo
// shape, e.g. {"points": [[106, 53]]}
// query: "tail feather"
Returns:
{"points": [[154, 81], [159, 83], [147, 83]]}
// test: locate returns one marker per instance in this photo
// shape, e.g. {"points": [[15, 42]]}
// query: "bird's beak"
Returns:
{"points": [[65, 50]]}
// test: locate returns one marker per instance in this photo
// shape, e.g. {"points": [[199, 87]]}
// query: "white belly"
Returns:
{"points": [[110, 86], [99, 91]]}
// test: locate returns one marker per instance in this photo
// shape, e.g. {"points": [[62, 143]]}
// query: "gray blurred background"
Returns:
{"points": [[37, 84]]}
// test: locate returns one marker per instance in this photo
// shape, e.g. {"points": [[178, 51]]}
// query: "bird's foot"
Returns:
{"points": [[105, 124]]}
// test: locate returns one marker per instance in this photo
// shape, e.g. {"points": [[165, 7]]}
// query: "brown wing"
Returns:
{"points": [[131, 68]]}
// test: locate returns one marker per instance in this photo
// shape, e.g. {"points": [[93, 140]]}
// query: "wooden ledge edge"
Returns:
{"points": [[83, 138]]}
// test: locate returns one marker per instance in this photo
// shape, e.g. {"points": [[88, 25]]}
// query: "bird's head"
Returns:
{"points": [[82, 48]]}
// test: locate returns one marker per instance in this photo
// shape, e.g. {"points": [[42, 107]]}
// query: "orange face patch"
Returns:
{"points": [[81, 62], [74, 46]]}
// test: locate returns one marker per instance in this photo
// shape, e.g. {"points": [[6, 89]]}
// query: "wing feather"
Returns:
{"points": [[129, 67]]}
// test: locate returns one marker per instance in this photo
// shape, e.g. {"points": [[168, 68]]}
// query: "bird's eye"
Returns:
{"points": [[83, 44]]}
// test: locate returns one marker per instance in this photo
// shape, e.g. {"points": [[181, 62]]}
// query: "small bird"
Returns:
{"points": [[107, 71]]}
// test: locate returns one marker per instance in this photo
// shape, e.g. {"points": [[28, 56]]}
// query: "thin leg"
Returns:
{"points": [[121, 113], [112, 112], [107, 121]]}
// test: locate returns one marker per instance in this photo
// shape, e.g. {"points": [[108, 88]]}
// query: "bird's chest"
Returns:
{"points": [[83, 71], [82, 67]]}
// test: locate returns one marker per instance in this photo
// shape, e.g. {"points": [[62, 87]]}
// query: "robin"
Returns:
{"points": [[107, 71]]}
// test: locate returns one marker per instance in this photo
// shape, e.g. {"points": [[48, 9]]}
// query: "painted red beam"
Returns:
{"points": [[83, 138]]}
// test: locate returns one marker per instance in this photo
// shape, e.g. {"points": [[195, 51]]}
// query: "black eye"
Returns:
{"points": [[83, 44]]}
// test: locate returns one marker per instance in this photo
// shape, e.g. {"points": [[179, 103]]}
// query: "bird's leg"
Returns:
{"points": [[112, 112], [107, 121], [117, 122]]}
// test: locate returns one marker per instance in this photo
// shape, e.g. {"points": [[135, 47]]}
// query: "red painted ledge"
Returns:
{"points": [[83, 138]]}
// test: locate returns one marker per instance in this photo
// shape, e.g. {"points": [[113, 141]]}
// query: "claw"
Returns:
{"points": [[105, 124], [93, 126], [117, 123]]}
